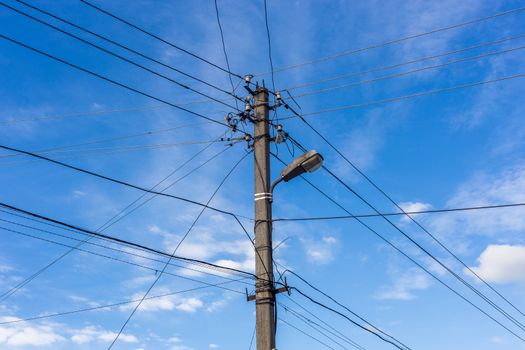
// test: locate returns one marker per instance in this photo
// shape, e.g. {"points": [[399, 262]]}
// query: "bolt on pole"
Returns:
{"points": [[264, 286]]}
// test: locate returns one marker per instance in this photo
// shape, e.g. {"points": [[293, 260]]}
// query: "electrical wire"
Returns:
{"points": [[110, 80], [400, 251], [397, 41], [120, 182], [416, 212], [331, 329], [126, 48], [117, 138], [306, 334], [401, 64], [371, 331], [159, 38], [175, 250], [407, 97], [115, 249], [225, 52], [106, 306], [123, 241], [409, 72], [108, 257], [269, 43], [104, 226], [68, 149], [428, 253], [433, 237], [371, 327], [184, 86], [312, 324]]}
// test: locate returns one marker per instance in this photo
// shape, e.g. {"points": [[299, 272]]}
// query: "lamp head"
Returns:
{"points": [[308, 162]]}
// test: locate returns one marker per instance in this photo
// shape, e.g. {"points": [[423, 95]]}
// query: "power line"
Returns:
{"points": [[306, 334], [106, 257], [120, 182], [117, 138], [405, 73], [184, 86], [331, 329], [397, 65], [159, 38], [400, 251], [399, 40], [314, 325], [126, 48], [406, 97], [430, 211], [120, 240], [350, 320], [110, 80], [176, 248], [107, 306], [224, 51], [106, 225], [269, 42], [75, 247], [373, 328], [428, 253], [108, 247], [434, 238]]}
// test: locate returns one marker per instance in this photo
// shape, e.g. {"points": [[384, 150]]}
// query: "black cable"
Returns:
{"points": [[111, 80], [399, 40], [253, 337], [430, 211], [331, 329], [104, 226], [120, 182], [122, 241], [126, 48], [64, 313], [235, 216], [362, 319], [427, 252], [160, 39], [111, 258], [176, 248], [350, 320], [225, 52], [407, 97], [457, 258], [408, 72], [269, 43], [307, 334], [404, 63], [369, 228], [184, 86], [312, 324], [113, 249], [117, 138]]}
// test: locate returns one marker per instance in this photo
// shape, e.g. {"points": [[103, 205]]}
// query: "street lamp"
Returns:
{"points": [[308, 162]]}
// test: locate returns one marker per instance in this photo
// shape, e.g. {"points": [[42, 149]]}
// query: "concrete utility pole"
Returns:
{"points": [[264, 286]]}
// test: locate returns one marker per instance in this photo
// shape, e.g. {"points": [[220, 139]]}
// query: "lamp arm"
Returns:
{"points": [[275, 183]]}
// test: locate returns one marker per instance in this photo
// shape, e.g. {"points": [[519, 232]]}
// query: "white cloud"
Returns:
{"points": [[404, 286], [166, 303], [213, 346], [501, 264], [320, 251], [413, 206], [21, 335], [485, 189], [91, 333]]}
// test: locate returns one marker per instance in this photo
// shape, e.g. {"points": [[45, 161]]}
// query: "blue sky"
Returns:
{"points": [[454, 149]]}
